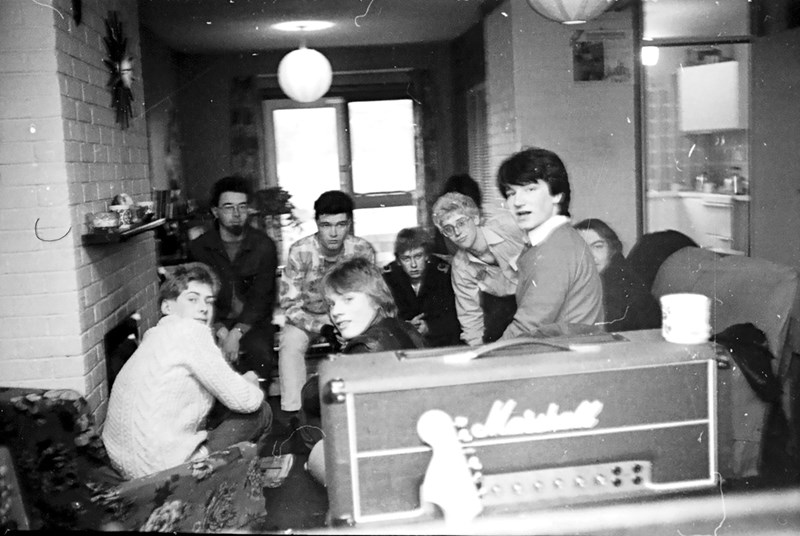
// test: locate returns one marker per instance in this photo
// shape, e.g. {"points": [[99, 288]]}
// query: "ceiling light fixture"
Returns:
{"points": [[305, 74], [570, 11], [649, 56], [302, 26]]}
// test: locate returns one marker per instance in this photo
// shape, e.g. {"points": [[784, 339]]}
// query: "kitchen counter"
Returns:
{"points": [[714, 220]]}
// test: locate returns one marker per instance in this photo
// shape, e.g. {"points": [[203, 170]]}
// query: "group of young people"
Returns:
{"points": [[197, 382]]}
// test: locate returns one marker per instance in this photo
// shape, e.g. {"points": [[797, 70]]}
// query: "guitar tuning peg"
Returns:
{"points": [[460, 422], [474, 463], [464, 436], [469, 451]]}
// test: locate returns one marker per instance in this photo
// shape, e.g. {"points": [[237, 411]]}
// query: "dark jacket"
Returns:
{"points": [[385, 335], [652, 249], [435, 300], [250, 277], [628, 303]]}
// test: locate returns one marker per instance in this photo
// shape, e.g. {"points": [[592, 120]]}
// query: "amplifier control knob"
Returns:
{"points": [[517, 488], [537, 485], [600, 480], [580, 482], [496, 489], [558, 483]]}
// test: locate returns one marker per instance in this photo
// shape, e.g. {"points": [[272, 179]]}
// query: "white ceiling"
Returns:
{"points": [[244, 25]]}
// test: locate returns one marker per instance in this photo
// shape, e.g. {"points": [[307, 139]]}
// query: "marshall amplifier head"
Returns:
{"points": [[534, 425]]}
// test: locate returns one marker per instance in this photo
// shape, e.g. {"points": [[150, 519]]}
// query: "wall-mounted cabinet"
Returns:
{"points": [[713, 97]]}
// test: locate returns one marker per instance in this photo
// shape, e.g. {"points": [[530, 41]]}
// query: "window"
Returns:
{"points": [[364, 148]]}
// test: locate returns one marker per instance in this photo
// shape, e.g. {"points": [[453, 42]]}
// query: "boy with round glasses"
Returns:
{"points": [[484, 275]]}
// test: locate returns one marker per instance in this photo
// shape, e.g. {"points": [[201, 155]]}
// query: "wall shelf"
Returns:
{"points": [[114, 236]]}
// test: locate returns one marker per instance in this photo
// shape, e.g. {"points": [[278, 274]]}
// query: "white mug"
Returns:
{"points": [[686, 318]]}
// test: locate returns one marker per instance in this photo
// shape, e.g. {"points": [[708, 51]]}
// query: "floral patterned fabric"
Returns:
{"points": [[66, 480]]}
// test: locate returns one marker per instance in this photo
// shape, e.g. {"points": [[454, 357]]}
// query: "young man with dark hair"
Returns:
{"points": [[420, 284], [245, 260], [558, 281], [301, 300], [161, 399]]}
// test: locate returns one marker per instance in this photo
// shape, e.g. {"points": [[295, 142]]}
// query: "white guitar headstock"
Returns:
{"points": [[448, 481]]}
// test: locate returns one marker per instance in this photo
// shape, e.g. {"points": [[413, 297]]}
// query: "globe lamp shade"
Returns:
{"points": [[570, 11], [304, 75]]}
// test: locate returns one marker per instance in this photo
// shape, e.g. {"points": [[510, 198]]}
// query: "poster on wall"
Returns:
{"points": [[601, 55]]}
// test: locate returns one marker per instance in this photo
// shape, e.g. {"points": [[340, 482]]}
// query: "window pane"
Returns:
{"points": [[382, 146], [381, 225], [670, 19], [307, 155]]}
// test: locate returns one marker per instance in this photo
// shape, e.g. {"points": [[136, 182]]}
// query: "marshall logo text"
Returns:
{"points": [[500, 421]]}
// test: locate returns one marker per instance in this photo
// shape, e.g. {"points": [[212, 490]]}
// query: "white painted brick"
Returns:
{"points": [[16, 152], [17, 197], [27, 38], [48, 151]]}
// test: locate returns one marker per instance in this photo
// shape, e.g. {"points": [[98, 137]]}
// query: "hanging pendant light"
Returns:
{"points": [[305, 74], [570, 11]]}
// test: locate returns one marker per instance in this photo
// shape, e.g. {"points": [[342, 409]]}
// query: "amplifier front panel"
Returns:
{"points": [[662, 415]]}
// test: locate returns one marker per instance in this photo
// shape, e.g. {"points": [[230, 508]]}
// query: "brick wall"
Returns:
{"points": [[591, 125], [62, 156]]}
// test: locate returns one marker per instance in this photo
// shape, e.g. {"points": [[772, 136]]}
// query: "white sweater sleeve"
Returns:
{"points": [[205, 360]]}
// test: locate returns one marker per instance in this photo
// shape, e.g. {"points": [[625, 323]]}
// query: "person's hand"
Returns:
{"points": [[331, 336], [230, 345], [221, 334], [420, 324], [252, 377]]}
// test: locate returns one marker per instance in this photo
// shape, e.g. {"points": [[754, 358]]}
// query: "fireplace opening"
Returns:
{"points": [[120, 343]]}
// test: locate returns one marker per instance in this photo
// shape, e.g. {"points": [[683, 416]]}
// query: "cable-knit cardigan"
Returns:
{"points": [[162, 395]]}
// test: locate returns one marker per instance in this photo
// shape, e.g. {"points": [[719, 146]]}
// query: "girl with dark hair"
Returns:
{"points": [[628, 303]]}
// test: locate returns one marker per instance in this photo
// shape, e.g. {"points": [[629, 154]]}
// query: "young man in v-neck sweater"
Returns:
{"points": [[558, 281]]}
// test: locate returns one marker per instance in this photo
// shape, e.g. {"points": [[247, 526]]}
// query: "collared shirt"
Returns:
{"points": [[301, 296], [470, 275], [247, 283], [540, 234]]}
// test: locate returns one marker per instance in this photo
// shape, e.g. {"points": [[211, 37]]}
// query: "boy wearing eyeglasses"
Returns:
{"points": [[245, 260], [301, 299], [484, 277]]}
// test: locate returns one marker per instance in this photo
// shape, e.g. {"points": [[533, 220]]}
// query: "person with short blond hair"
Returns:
{"points": [[483, 273], [362, 310]]}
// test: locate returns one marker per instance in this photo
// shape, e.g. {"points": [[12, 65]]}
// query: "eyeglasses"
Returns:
{"points": [[450, 230], [231, 209]]}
